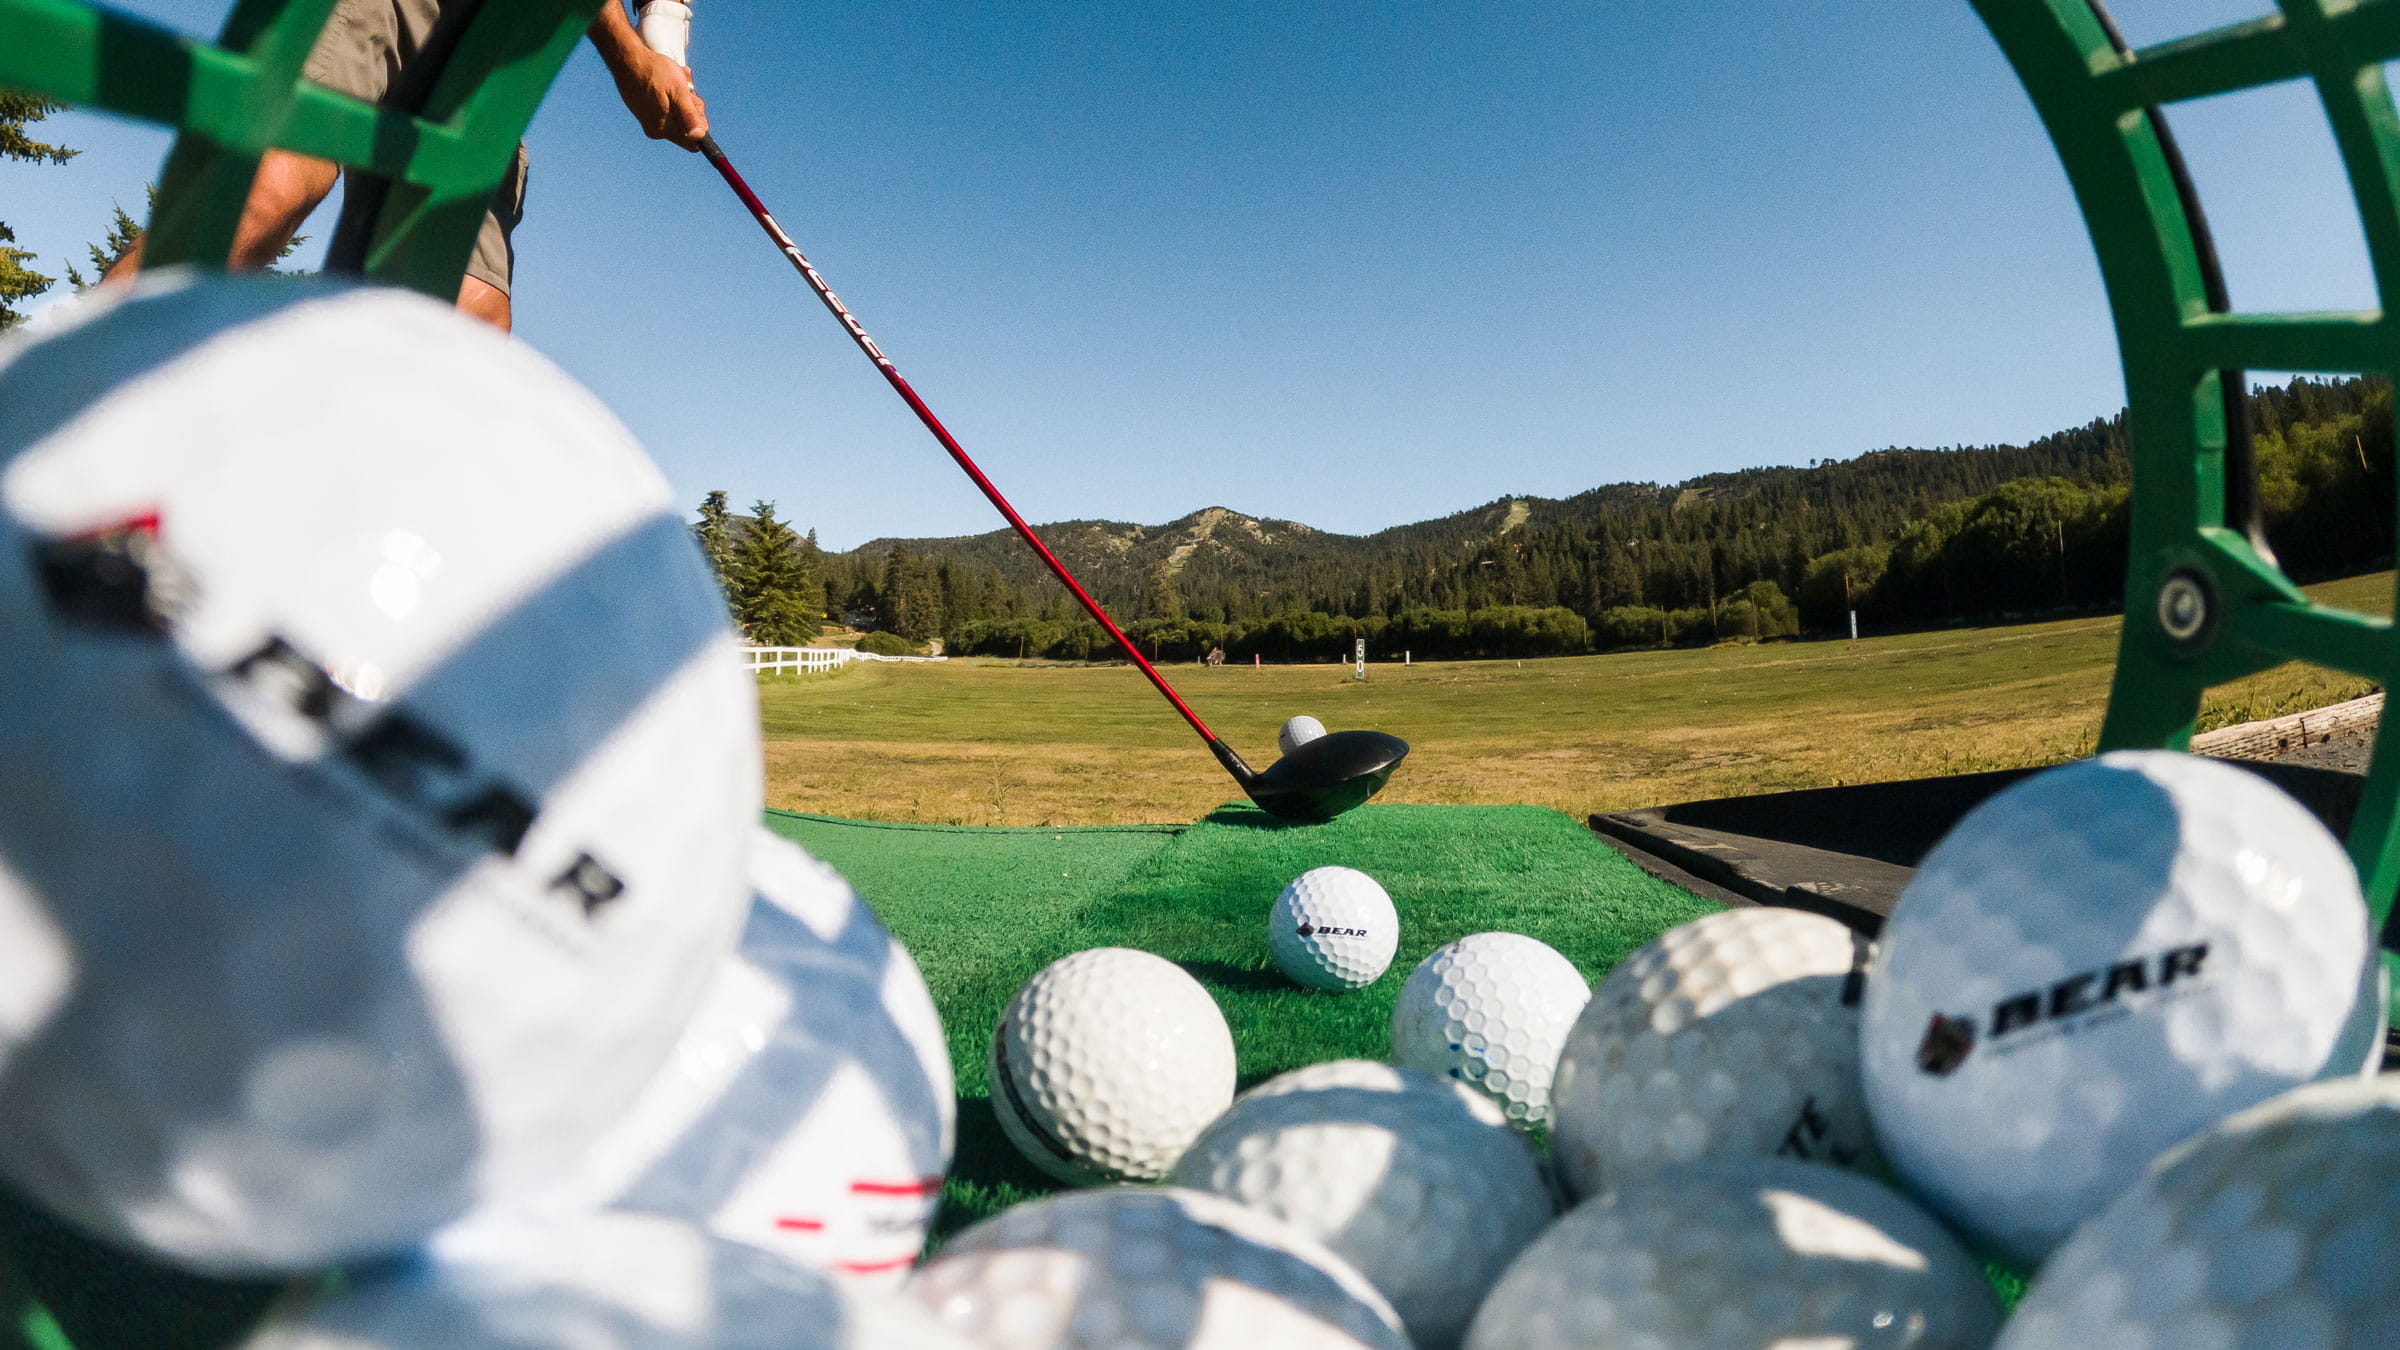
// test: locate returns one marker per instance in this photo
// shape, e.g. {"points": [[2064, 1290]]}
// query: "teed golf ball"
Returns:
{"points": [[1733, 1035], [1490, 1010], [1416, 1181], [1298, 732], [1107, 1063], [1333, 928], [1141, 1268], [2093, 965]]}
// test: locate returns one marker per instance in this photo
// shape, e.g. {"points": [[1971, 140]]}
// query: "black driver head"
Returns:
{"points": [[1327, 776]]}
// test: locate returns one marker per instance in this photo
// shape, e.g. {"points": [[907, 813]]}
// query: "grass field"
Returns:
{"points": [[982, 909], [999, 743]]}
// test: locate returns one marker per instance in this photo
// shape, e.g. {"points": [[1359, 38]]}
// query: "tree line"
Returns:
{"points": [[1903, 538]]}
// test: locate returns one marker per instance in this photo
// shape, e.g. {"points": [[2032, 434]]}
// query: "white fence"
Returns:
{"points": [[808, 660]]}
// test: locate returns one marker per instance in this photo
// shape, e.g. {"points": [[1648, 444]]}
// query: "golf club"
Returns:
{"points": [[1317, 781]]}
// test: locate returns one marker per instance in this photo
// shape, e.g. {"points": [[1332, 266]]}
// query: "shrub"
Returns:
{"points": [[886, 644]]}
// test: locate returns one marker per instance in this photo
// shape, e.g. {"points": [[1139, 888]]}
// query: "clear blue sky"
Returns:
{"points": [[1352, 264]]}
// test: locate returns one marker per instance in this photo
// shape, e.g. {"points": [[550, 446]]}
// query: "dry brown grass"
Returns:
{"points": [[996, 743]]}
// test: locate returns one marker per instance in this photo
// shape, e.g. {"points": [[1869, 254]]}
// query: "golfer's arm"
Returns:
{"points": [[613, 34]]}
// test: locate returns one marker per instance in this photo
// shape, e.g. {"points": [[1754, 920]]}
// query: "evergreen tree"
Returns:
{"points": [[714, 533], [774, 588], [17, 281], [1160, 598], [123, 233], [911, 596]]}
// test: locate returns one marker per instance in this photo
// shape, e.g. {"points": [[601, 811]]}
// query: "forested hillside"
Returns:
{"points": [[1907, 537]]}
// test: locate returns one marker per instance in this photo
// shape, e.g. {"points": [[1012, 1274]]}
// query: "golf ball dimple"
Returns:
{"points": [[620, 1281], [1417, 1181], [1492, 1011], [2286, 1216], [2093, 965], [1333, 928], [1107, 1063], [1741, 1252], [1140, 1268], [362, 907], [1733, 1035], [809, 1107], [1298, 732]]}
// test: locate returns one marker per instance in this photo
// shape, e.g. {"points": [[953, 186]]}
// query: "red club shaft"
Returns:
{"points": [[891, 373]]}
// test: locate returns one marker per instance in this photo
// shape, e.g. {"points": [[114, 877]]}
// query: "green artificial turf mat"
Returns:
{"points": [[983, 909]]}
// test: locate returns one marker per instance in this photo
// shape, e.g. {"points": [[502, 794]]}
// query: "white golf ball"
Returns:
{"points": [[2359, 1052], [1741, 1252], [1734, 1035], [1491, 1010], [1139, 1268], [1416, 1181], [808, 1108], [1107, 1063], [1333, 928], [2279, 1227], [596, 1282], [384, 830], [1298, 732], [2093, 965]]}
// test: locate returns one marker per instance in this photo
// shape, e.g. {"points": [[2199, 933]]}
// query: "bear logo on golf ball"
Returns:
{"points": [[2113, 991], [1333, 928]]}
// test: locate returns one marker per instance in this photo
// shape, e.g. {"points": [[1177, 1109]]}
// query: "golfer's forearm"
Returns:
{"points": [[613, 34]]}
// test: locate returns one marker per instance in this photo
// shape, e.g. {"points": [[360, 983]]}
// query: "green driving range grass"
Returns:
{"points": [[983, 909]]}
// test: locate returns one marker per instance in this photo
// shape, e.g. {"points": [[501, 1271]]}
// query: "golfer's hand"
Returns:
{"points": [[660, 96]]}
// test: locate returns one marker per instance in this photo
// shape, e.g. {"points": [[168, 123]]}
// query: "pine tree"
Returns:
{"points": [[715, 536], [17, 281], [912, 598], [123, 233], [774, 586]]}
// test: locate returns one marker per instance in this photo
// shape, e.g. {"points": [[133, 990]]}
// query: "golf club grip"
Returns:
{"points": [[665, 27], [892, 376]]}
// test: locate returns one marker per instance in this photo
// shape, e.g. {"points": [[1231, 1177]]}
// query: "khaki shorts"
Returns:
{"points": [[360, 53]]}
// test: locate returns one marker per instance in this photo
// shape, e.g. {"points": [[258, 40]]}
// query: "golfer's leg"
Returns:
{"points": [[484, 301], [287, 188], [483, 292]]}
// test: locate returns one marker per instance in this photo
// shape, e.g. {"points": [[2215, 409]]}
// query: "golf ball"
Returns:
{"points": [[1741, 1252], [808, 1108], [2279, 1227], [597, 1282], [2093, 965], [382, 832], [1418, 1182], [1138, 1268], [2359, 1052], [1333, 928], [1491, 1010], [1298, 732], [1107, 1063], [1732, 1035]]}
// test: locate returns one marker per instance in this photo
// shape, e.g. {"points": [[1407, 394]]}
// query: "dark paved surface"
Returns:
{"points": [[1846, 852]]}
